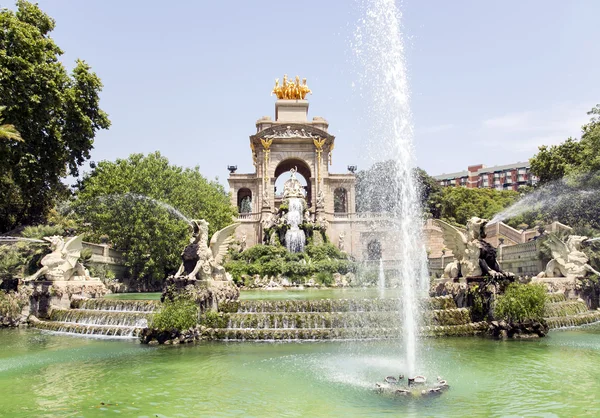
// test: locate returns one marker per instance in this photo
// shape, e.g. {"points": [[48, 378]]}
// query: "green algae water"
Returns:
{"points": [[52, 375]]}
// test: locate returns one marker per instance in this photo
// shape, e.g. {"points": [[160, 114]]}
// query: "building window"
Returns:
{"points": [[340, 200], [244, 200]]}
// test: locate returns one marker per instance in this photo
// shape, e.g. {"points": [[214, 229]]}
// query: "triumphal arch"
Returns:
{"points": [[292, 141]]}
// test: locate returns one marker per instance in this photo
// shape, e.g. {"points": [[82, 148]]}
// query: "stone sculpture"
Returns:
{"points": [[567, 258], [474, 256], [341, 244], [203, 261], [63, 262]]}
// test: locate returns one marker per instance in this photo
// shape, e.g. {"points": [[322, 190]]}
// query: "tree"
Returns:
{"points": [[377, 191], [569, 176], [57, 115], [458, 204], [573, 157], [141, 204]]}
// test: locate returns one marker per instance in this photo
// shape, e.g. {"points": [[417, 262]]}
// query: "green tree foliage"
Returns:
{"points": [[458, 204], [127, 200], [56, 113], [378, 191], [520, 302], [572, 157], [569, 176]]}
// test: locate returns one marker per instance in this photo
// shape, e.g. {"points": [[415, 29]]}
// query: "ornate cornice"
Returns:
{"points": [[292, 131]]}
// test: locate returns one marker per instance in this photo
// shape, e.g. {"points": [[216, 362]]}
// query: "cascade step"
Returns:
{"points": [[307, 334], [315, 320], [99, 317], [99, 330], [573, 320], [117, 305], [331, 305], [565, 308]]}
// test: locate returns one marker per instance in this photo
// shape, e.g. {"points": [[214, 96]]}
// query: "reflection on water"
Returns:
{"points": [[44, 374]]}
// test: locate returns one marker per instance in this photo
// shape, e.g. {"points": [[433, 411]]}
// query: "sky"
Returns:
{"points": [[489, 81]]}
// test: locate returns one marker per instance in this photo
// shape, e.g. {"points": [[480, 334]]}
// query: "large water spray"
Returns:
{"points": [[547, 198], [379, 47]]}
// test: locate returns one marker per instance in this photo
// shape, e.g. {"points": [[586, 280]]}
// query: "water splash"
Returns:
{"points": [[295, 237], [381, 282], [547, 198], [135, 196], [379, 47]]}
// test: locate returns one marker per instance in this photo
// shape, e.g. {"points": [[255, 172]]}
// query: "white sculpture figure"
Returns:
{"points": [[567, 258], [63, 262], [292, 187], [323, 222], [320, 199], [268, 221], [307, 217], [474, 256], [341, 241], [202, 261], [243, 242]]}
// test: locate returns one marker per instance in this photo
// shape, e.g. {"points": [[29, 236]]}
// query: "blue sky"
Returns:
{"points": [[490, 81]]}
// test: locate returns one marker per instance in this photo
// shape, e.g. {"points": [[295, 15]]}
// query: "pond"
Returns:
{"points": [[44, 374]]}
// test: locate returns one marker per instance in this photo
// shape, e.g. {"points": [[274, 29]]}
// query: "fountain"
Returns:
{"points": [[381, 280], [380, 49]]}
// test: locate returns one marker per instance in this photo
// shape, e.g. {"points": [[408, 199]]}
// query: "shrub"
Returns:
{"points": [[41, 231], [180, 313], [521, 301], [214, 319], [324, 278]]}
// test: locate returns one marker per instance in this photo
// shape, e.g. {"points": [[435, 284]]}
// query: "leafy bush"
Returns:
{"points": [[11, 305], [521, 301], [180, 313], [21, 259], [214, 319], [41, 231], [324, 277], [272, 261]]}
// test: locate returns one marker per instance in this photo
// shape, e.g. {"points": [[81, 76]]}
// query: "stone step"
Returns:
{"points": [[99, 317], [573, 320], [116, 305], [329, 305], [565, 308], [339, 333], [314, 320], [97, 330]]}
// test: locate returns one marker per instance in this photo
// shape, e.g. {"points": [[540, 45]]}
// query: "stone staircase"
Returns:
{"points": [[561, 312], [101, 317], [338, 319]]}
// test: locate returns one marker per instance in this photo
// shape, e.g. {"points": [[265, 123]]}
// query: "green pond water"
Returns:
{"points": [[50, 375]]}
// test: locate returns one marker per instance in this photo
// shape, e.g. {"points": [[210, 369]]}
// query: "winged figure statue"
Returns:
{"points": [[474, 256], [202, 260], [567, 258], [63, 262]]}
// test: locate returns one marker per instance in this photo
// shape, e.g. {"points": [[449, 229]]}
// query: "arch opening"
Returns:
{"points": [[303, 173], [244, 200]]}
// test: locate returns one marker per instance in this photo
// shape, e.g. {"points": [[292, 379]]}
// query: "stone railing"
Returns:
{"points": [[249, 217]]}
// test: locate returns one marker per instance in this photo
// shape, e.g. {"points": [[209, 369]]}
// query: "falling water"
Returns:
{"points": [[381, 279], [294, 237], [379, 47]]}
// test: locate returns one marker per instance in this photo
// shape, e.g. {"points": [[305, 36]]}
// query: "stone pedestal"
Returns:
{"points": [[208, 294], [60, 293]]}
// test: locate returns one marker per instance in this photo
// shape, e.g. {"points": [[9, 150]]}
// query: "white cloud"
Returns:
{"points": [[527, 130]]}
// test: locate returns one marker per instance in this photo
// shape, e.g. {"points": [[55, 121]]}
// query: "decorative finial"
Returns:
{"points": [[291, 90]]}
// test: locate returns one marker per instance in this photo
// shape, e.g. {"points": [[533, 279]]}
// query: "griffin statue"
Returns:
{"points": [[474, 256], [63, 262], [203, 261], [567, 258]]}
